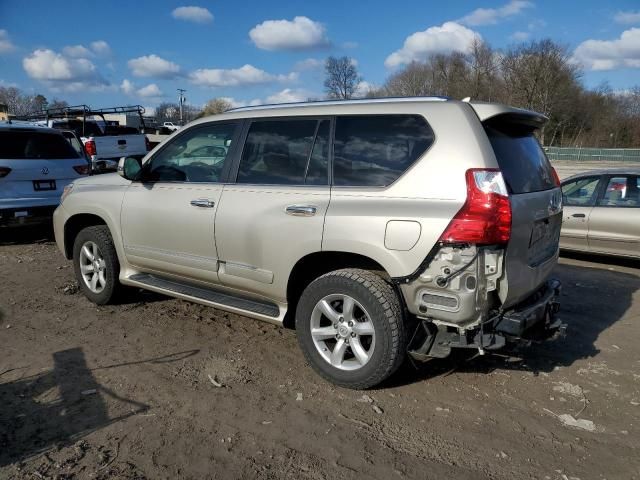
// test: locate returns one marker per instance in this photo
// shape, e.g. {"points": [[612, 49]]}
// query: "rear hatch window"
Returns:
{"points": [[31, 145], [523, 163]]}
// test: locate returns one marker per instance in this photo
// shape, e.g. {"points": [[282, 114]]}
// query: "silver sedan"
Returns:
{"points": [[602, 212]]}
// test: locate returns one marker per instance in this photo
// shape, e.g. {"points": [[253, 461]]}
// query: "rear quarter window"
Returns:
{"points": [[374, 150], [31, 144], [523, 163]]}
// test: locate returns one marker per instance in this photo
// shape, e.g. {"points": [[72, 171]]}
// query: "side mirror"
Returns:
{"points": [[130, 168]]}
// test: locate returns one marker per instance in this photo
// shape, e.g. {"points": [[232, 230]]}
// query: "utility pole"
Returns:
{"points": [[181, 100]]}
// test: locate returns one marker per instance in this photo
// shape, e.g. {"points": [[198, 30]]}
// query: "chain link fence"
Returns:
{"points": [[593, 154]]}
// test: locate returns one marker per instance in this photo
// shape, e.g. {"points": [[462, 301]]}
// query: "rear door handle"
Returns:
{"points": [[578, 215], [301, 210], [203, 203]]}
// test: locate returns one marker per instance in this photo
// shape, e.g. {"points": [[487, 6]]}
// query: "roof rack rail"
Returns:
{"points": [[83, 111], [315, 103]]}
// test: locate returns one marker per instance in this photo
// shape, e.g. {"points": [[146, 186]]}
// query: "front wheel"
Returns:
{"points": [[350, 328], [96, 265]]}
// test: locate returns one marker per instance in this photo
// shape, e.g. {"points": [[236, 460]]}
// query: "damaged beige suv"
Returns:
{"points": [[379, 228]]}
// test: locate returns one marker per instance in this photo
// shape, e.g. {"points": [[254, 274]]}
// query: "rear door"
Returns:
{"points": [[35, 164], [578, 198], [536, 206], [614, 224], [273, 214]]}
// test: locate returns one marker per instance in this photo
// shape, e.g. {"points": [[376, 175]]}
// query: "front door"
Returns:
{"points": [[614, 224], [274, 214], [168, 217], [578, 197]]}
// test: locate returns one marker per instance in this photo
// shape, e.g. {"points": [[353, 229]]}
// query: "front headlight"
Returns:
{"points": [[66, 192]]}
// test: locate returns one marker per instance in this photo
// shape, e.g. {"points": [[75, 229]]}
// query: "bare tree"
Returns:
{"points": [[416, 79], [19, 103], [341, 77], [215, 106]]}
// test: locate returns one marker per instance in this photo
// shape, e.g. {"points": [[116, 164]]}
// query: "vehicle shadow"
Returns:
{"points": [[604, 260], [592, 300], [56, 408], [26, 234]]}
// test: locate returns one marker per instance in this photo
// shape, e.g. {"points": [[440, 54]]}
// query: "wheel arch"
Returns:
{"points": [[316, 264], [74, 225]]}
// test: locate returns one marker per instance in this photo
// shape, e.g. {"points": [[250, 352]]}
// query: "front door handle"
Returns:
{"points": [[203, 203], [578, 215], [301, 210]]}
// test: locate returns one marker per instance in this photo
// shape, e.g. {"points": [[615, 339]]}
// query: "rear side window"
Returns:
{"points": [[524, 165], [374, 150], [30, 145], [621, 192], [285, 152]]}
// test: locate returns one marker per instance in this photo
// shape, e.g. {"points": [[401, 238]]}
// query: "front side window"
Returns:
{"points": [[580, 192], [286, 152], [374, 150], [197, 155], [621, 191]]}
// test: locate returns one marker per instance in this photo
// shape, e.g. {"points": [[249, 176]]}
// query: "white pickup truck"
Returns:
{"points": [[171, 126], [105, 144]]}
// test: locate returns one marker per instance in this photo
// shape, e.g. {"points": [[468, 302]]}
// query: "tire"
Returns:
{"points": [[375, 302], [99, 236]]}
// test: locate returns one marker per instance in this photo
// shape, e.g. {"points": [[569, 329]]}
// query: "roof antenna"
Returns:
{"points": [[466, 99]]}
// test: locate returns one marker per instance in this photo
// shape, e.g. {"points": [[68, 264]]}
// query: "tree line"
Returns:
{"points": [[537, 75]]}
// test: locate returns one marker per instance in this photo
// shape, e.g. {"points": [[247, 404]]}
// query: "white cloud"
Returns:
{"points": [[298, 34], [627, 18], [77, 51], [100, 47], [127, 87], [242, 103], [153, 66], [350, 45], [308, 64], [520, 36], [61, 72], [5, 43], [288, 96], [491, 16], [245, 75], [448, 37], [363, 88], [151, 90], [193, 14], [610, 54]]}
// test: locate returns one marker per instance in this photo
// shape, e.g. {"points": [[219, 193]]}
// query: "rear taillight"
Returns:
{"points": [[81, 169], [4, 171], [90, 147], [556, 178], [485, 218], [147, 143]]}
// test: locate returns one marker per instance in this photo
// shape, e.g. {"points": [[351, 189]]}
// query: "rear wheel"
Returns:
{"points": [[350, 327], [96, 265]]}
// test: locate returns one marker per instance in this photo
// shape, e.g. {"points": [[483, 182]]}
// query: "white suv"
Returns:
{"points": [[378, 227], [36, 163]]}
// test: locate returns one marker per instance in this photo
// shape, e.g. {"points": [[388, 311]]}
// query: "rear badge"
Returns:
{"points": [[44, 171]]}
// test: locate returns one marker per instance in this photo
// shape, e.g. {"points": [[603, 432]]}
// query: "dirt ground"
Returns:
{"points": [[128, 391]]}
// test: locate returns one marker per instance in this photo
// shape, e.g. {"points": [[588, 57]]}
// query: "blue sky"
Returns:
{"points": [[124, 52]]}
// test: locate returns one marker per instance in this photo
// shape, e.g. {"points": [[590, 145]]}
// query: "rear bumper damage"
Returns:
{"points": [[534, 319]]}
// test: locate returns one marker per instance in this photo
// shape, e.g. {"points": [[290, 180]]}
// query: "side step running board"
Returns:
{"points": [[210, 295]]}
